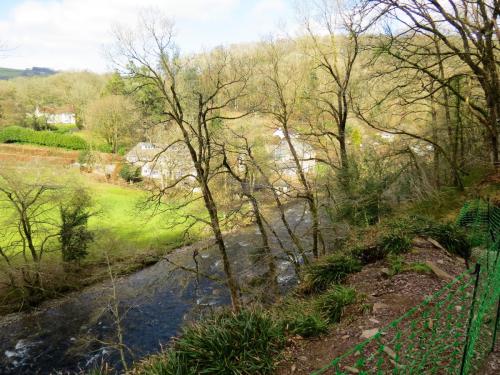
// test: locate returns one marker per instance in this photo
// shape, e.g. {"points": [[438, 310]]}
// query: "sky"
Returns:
{"points": [[73, 34]]}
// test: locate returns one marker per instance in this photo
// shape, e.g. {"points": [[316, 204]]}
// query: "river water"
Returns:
{"points": [[77, 332]]}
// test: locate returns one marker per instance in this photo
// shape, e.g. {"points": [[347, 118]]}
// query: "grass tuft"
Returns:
{"points": [[225, 343], [332, 270], [332, 303], [307, 325]]}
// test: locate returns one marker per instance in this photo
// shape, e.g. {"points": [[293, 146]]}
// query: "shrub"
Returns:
{"points": [[74, 233], [450, 236], [225, 343], [130, 173], [396, 264], [332, 303], [16, 134], [331, 270], [368, 254], [38, 123], [417, 267], [307, 325], [394, 244]]}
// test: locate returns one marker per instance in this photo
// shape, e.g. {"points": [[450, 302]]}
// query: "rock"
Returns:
{"points": [[352, 370], [435, 243], [440, 261], [294, 367], [345, 337], [385, 272], [375, 321], [439, 272], [369, 333], [389, 352], [302, 358], [430, 324], [420, 242], [377, 306]]}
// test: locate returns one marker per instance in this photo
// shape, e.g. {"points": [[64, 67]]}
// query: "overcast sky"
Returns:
{"points": [[71, 34]]}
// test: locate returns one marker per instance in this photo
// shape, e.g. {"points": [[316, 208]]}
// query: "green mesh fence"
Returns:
{"points": [[450, 332]]}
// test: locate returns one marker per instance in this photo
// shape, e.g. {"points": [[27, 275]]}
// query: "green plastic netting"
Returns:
{"points": [[452, 331]]}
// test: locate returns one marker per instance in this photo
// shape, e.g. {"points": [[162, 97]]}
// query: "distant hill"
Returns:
{"points": [[8, 73]]}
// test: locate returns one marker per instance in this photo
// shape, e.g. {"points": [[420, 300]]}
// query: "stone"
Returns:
{"points": [[377, 306], [294, 368], [435, 243], [369, 333], [302, 358], [345, 337], [439, 272], [430, 324], [373, 320], [420, 242], [389, 352], [352, 370], [385, 272]]}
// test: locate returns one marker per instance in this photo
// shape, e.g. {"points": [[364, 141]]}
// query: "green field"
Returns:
{"points": [[120, 215], [126, 233], [123, 226]]}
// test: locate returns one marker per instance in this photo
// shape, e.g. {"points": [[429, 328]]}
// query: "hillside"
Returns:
{"points": [[9, 73]]}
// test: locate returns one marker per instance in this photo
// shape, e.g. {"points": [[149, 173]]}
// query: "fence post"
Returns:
{"points": [[496, 327], [477, 270]]}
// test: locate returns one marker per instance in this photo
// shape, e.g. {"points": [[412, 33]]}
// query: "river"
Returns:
{"points": [[77, 332]]}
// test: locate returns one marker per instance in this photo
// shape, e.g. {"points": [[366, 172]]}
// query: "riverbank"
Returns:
{"points": [[78, 331], [382, 272]]}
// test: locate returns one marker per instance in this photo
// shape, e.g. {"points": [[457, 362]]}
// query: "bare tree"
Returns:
{"points": [[196, 94], [466, 34], [244, 176], [334, 30], [29, 224], [282, 84]]}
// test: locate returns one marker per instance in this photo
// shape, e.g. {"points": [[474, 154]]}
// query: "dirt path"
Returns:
{"points": [[386, 299]]}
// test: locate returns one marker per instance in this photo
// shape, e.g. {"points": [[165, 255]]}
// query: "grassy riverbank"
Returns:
{"points": [[128, 233]]}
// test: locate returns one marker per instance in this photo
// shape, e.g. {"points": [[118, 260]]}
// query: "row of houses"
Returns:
{"points": [[161, 162]]}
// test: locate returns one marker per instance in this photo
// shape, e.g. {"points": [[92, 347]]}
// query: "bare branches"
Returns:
{"points": [[464, 34]]}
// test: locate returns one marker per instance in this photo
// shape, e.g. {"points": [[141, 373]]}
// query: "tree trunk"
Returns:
{"points": [[215, 224], [435, 139], [308, 193], [293, 236], [265, 245]]}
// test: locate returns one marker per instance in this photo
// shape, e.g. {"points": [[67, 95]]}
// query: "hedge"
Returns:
{"points": [[17, 134]]}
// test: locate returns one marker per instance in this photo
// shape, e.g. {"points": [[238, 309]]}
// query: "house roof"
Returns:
{"points": [[57, 110], [147, 151]]}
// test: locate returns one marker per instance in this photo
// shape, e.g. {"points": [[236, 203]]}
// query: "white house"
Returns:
{"points": [[283, 157], [59, 115], [161, 162]]}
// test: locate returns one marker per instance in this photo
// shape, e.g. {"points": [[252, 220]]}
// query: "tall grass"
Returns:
{"points": [[334, 269], [332, 303], [225, 343]]}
